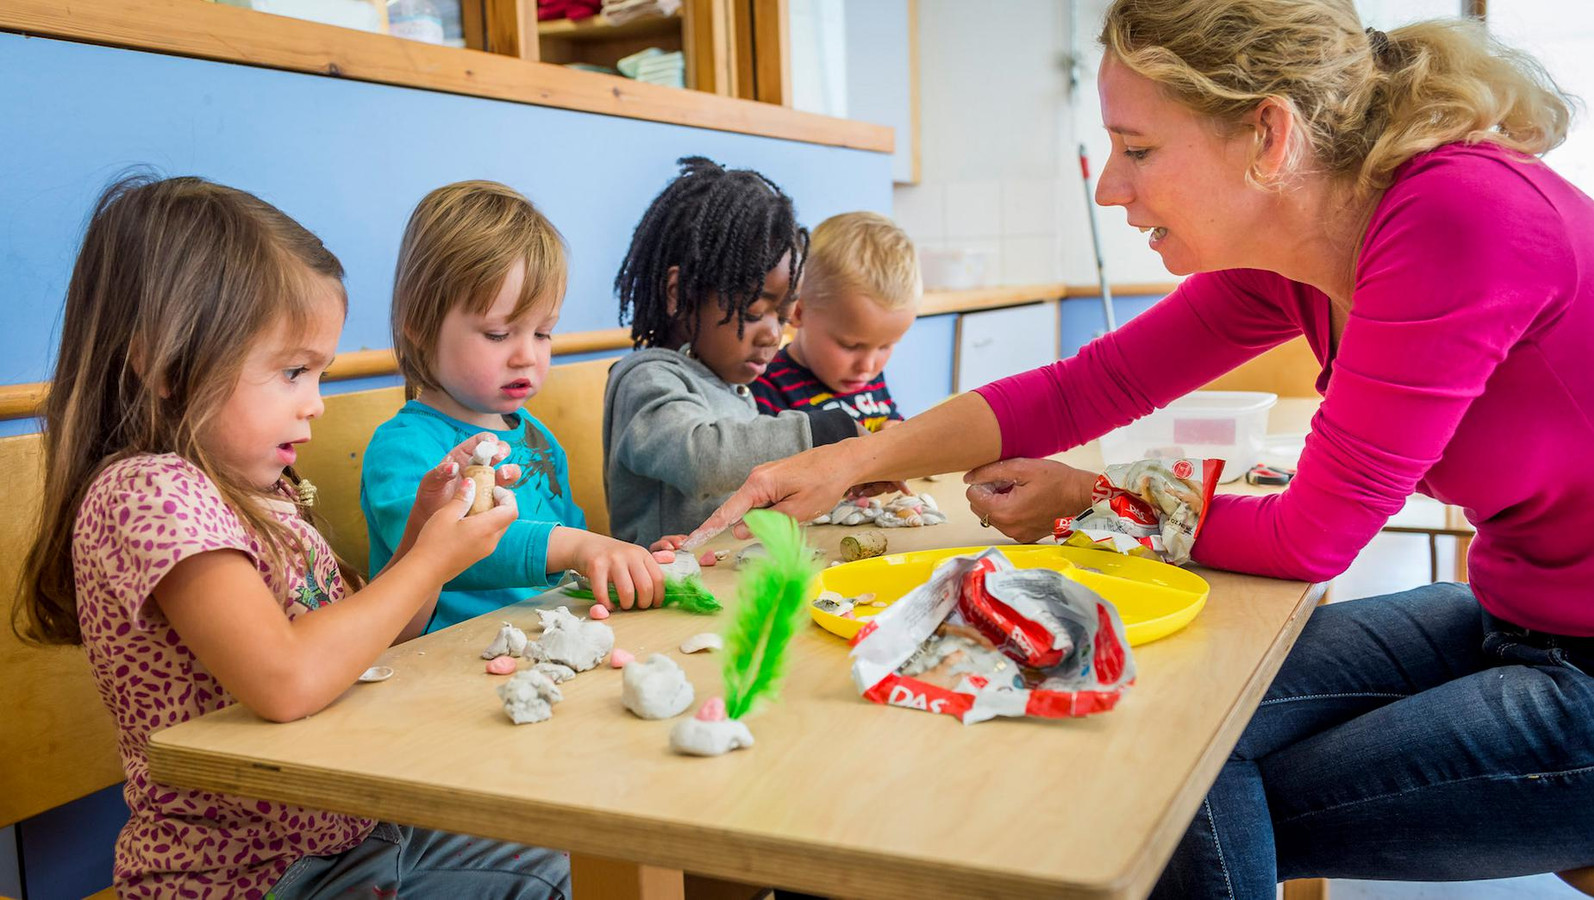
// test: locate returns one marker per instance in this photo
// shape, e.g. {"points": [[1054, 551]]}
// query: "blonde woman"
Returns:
{"points": [[1378, 193]]}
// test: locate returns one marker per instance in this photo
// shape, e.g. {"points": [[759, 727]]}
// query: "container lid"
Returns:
{"points": [[1224, 402]]}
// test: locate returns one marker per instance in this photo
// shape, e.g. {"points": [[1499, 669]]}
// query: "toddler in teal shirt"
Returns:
{"points": [[480, 281]]}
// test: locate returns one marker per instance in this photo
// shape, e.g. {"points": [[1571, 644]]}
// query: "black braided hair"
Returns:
{"points": [[724, 229]]}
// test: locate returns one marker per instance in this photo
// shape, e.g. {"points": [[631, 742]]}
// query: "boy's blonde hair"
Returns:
{"points": [[1366, 101], [862, 252], [459, 246]]}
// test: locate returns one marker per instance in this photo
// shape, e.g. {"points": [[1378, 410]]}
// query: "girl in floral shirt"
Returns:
{"points": [[198, 322]]}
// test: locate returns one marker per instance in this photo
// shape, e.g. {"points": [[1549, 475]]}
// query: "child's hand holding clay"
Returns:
{"points": [[632, 570]]}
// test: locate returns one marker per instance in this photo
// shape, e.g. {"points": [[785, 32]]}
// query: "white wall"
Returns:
{"points": [[1560, 33], [999, 129]]}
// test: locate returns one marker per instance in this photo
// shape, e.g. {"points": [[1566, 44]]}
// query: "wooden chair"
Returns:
{"points": [[58, 743], [1289, 370], [570, 403], [332, 462]]}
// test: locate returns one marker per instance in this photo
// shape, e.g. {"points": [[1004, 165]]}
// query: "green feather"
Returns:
{"points": [[770, 596], [687, 593]]}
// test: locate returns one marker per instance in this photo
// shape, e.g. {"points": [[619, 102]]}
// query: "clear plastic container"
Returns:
{"points": [[1226, 425]]}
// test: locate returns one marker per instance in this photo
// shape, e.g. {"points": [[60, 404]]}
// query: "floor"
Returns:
{"points": [[1397, 562]]}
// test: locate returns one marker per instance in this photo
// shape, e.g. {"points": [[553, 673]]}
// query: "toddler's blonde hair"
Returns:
{"points": [[862, 252], [460, 244]]}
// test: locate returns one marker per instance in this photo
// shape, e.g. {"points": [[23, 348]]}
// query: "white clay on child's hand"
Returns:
{"points": [[529, 697], [570, 641], [484, 453], [679, 565], [708, 640], [696, 737], [655, 688], [511, 641], [480, 473]]}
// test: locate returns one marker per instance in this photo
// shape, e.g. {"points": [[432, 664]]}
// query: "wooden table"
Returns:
{"points": [[839, 796]]}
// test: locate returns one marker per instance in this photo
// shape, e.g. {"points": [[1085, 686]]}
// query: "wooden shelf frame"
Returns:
{"points": [[231, 34], [21, 401]]}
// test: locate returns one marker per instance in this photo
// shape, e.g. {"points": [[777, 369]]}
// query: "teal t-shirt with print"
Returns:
{"points": [[407, 446]]}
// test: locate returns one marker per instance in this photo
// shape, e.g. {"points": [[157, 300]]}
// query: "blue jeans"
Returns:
{"points": [[400, 861], [1410, 737]]}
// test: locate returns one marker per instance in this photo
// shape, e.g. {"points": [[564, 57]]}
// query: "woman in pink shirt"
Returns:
{"points": [[1380, 195]]}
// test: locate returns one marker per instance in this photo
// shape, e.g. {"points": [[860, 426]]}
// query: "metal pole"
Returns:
{"points": [[1075, 60], [1095, 240]]}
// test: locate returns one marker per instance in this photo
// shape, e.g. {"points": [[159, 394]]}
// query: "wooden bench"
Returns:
{"points": [[58, 743]]}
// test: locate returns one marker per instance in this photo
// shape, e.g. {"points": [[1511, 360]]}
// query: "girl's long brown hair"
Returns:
{"points": [[175, 280]]}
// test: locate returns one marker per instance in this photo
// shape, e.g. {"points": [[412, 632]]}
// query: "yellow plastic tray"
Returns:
{"points": [[1153, 598]]}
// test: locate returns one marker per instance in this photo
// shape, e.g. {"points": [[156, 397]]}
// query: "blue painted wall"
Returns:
{"points": [[349, 160], [920, 371]]}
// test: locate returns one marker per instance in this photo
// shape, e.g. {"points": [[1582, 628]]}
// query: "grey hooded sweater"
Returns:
{"points": [[677, 441]]}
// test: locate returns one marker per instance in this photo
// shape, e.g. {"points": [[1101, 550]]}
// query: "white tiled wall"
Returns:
{"points": [[999, 131], [998, 169]]}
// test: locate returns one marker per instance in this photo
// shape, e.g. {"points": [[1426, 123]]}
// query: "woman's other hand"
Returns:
{"points": [[1023, 498]]}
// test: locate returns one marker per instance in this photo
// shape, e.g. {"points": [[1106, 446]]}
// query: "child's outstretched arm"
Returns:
{"points": [[674, 437], [286, 669], [395, 462]]}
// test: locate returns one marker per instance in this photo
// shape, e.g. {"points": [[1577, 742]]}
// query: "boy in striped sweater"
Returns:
{"points": [[860, 292]]}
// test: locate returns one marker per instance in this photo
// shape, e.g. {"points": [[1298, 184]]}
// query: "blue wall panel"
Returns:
{"points": [[920, 372], [1082, 319], [348, 159]]}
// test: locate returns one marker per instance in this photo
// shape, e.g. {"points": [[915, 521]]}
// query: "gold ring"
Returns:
{"points": [[985, 521]]}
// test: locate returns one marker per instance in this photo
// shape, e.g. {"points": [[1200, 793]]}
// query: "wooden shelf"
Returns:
{"points": [[248, 37], [601, 28]]}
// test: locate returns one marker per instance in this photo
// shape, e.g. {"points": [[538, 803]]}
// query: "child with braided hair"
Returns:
{"points": [[708, 285]]}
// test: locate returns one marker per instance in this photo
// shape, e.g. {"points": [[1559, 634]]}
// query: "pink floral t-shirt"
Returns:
{"points": [[139, 518]]}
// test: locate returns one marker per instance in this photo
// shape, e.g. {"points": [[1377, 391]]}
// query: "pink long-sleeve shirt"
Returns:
{"points": [[1465, 372]]}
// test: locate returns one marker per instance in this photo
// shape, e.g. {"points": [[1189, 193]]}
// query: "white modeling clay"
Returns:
{"points": [[682, 566], [376, 673], [905, 511], [529, 697], [756, 550], [484, 453], [556, 673], [696, 737], [655, 688], [569, 641], [511, 641], [708, 640]]}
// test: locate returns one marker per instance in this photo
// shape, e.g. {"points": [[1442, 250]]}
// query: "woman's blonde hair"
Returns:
{"points": [[862, 251], [1366, 102], [460, 244], [175, 281]]}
